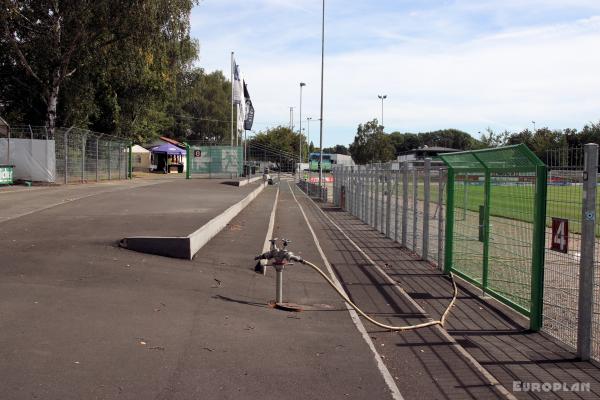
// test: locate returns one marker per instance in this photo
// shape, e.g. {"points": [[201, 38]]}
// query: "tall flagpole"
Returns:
{"points": [[232, 83], [321, 120]]}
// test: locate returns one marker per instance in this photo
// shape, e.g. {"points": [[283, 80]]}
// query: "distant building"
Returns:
{"points": [[140, 158], [425, 152], [341, 159]]}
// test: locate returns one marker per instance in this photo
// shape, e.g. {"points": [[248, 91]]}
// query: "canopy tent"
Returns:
{"points": [[168, 149], [167, 156], [136, 148]]}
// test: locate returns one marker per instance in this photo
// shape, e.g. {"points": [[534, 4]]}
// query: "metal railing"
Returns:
{"points": [[312, 190], [572, 259], [404, 201]]}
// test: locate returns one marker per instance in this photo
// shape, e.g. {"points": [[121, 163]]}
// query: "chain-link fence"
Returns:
{"points": [[67, 155]]}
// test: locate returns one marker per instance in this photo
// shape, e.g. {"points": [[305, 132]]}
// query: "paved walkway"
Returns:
{"points": [[494, 335], [137, 207], [83, 318]]}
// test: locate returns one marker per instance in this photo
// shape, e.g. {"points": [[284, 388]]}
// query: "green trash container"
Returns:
{"points": [[6, 174]]}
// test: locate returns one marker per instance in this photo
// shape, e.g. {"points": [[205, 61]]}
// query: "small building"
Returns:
{"points": [[140, 158], [341, 159], [425, 152]]}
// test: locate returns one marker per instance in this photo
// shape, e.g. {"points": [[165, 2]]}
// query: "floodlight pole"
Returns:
{"points": [[382, 97], [300, 133], [321, 119], [231, 65]]}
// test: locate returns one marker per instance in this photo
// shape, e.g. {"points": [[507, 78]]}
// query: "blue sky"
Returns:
{"points": [[458, 64]]}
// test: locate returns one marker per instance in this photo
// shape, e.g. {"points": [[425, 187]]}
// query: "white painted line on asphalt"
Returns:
{"points": [[267, 244], [385, 373], [484, 372], [70, 200]]}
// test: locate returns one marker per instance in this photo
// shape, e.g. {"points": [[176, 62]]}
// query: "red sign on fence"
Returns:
{"points": [[560, 235]]}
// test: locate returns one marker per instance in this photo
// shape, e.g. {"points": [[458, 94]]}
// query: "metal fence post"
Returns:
{"points": [[382, 214], [97, 158], [405, 204], [415, 207], [66, 157], [350, 180], [397, 206], [449, 231], [108, 160], [83, 146], [486, 229], [358, 192], [364, 193], [538, 247], [465, 195], [120, 152], [369, 195], [388, 212], [130, 163], [373, 191], [586, 261], [440, 230], [426, 198], [376, 202], [354, 184], [188, 161]]}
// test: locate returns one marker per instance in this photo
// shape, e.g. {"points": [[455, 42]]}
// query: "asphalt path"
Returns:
{"points": [[82, 318], [424, 362]]}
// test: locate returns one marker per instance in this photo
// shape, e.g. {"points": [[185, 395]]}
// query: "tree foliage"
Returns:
{"points": [[110, 65], [337, 149], [371, 144], [203, 111], [544, 139], [281, 138], [450, 138]]}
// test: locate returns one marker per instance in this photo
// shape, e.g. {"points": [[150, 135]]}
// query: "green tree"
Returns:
{"points": [[106, 63], [337, 149], [405, 141], [371, 144], [281, 139], [492, 139], [204, 110]]}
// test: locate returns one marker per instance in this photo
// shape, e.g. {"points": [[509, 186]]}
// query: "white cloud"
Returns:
{"points": [[466, 79]]}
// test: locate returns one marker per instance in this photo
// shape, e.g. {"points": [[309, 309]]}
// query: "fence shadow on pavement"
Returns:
{"points": [[497, 337]]}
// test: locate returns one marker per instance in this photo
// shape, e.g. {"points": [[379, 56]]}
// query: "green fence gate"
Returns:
{"points": [[215, 161], [496, 206]]}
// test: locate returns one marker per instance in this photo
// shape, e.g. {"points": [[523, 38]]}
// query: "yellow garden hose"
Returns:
{"points": [[441, 321]]}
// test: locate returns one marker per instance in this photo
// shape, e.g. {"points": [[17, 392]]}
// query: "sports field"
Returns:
{"points": [[516, 202]]}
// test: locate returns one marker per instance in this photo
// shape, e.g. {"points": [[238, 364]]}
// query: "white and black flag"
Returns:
{"points": [[249, 110], [237, 84]]}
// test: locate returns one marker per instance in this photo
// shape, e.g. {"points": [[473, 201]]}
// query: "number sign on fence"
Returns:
{"points": [[560, 235]]}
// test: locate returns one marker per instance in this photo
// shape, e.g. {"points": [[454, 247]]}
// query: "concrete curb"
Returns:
{"points": [[244, 182], [187, 246]]}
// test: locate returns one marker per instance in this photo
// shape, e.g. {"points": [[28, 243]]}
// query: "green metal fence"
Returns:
{"points": [[496, 205], [215, 161]]}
